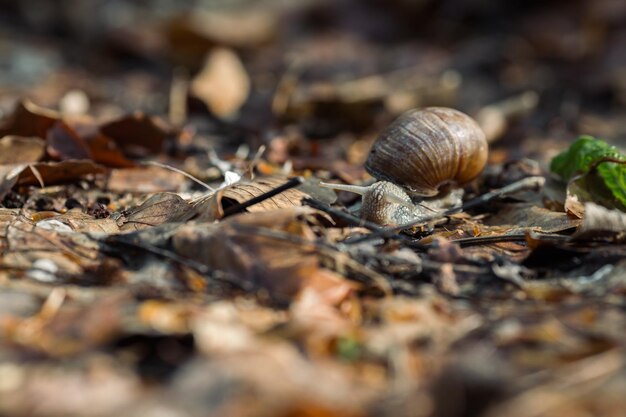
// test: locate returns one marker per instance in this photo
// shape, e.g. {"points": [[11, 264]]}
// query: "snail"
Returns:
{"points": [[423, 153]]}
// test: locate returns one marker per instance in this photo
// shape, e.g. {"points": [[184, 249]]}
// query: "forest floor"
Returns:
{"points": [[129, 288]]}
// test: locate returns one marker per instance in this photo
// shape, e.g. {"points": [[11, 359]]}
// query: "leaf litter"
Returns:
{"points": [[126, 288]]}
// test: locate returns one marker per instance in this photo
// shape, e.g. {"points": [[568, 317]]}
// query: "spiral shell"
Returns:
{"points": [[425, 149]]}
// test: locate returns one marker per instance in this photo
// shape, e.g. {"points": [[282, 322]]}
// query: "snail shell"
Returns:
{"points": [[425, 149]]}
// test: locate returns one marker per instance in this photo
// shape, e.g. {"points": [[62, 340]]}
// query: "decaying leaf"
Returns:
{"points": [[223, 84], [212, 207], [68, 329], [84, 223], [137, 134], [64, 143], [20, 149], [528, 217], [600, 221], [58, 172], [9, 175], [158, 209], [144, 179], [273, 249], [28, 119]]}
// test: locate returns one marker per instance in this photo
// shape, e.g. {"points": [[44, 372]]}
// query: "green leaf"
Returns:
{"points": [[614, 176], [581, 156], [587, 153]]}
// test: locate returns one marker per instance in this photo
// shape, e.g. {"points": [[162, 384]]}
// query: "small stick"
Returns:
{"points": [[480, 240], [486, 240], [355, 221], [179, 171], [347, 217], [237, 208], [523, 184]]}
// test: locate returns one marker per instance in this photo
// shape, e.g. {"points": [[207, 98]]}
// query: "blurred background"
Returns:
{"points": [[277, 72]]}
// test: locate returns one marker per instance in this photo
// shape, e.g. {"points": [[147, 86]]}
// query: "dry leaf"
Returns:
{"points": [[20, 149], [271, 250], [59, 172], [137, 134], [8, 177], [523, 217], [64, 143], [222, 84], [600, 220], [28, 119], [84, 223], [101, 147], [158, 209], [70, 330], [149, 179], [212, 207]]}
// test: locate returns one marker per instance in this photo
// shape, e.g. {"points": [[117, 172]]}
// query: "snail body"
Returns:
{"points": [[419, 154]]}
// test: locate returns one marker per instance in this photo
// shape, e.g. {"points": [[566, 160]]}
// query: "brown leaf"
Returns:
{"points": [[271, 250], [9, 174], [144, 180], [28, 119], [212, 207], [84, 223], [59, 172], [222, 84], [523, 217], [158, 209], [71, 329], [137, 134], [101, 147], [20, 149], [64, 143]]}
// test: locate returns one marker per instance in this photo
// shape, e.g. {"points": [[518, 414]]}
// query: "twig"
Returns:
{"points": [[483, 240], [356, 221], [237, 208], [347, 217], [180, 171]]}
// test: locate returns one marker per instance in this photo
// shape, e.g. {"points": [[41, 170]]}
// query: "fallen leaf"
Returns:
{"points": [[222, 84], [599, 220], [143, 179], [9, 175], [212, 207], [102, 148], [525, 217], [158, 209], [273, 249], [20, 149], [137, 134], [64, 143], [49, 173], [59, 172], [70, 330], [28, 119], [84, 223]]}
